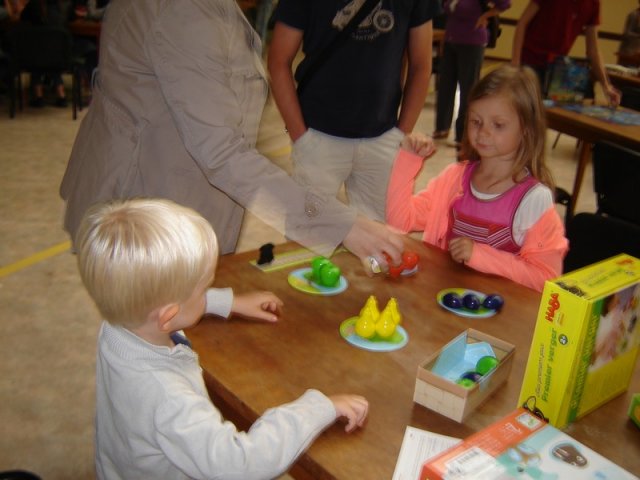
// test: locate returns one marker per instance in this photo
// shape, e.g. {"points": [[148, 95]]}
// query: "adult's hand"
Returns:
{"points": [[368, 239], [613, 95]]}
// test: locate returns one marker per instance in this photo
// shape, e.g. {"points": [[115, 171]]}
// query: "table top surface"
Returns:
{"points": [[592, 129], [255, 365]]}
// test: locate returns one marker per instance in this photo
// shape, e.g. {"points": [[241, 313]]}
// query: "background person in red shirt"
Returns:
{"points": [[548, 28]]}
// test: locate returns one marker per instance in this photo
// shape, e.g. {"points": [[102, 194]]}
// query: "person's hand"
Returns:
{"points": [[369, 240], [613, 95], [257, 305], [419, 144], [352, 407], [461, 249], [483, 20]]}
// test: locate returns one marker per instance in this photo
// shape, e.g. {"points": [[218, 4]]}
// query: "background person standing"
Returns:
{"points": [[344, 125], [548, 28], [465, 39]]}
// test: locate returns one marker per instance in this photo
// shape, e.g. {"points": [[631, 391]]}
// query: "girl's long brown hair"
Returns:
{"points": [[521, 86]]}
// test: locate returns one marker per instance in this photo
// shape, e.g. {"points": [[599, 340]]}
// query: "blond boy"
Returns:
{"points": [[148, 264]]}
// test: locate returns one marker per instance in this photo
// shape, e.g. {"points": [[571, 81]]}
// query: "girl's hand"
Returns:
{"points": [[419, 144], [257, 305], [461, 249], [352, 407]]}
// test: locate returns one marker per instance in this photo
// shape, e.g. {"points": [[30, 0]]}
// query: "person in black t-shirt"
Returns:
{"points": [[347, 123]]}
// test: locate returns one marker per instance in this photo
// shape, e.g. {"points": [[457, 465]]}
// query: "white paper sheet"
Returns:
{"points": [[417, 447]]}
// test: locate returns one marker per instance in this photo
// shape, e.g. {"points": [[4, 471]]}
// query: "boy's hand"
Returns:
{"points": [[352, 407], [257, 305], [419, 144], [461, 249]]}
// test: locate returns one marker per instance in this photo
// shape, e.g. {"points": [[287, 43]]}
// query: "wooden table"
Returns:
{"points": [[589, 130], [251, 366]]}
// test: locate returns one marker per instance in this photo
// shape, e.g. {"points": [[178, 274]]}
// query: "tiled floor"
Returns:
{"points": [[50, 326]]}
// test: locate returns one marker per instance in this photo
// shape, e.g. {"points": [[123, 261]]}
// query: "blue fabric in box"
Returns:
{"points": [[458, 357]]}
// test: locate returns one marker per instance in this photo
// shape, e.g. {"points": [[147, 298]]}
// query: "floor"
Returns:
{"points": [[47, 363]]}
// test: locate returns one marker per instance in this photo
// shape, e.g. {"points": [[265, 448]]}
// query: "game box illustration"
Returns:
{"points": [[586, 338], [521, 446]]}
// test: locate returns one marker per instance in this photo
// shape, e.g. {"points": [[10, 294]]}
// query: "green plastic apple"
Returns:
{"points": [[316, 265], [329, 275]]}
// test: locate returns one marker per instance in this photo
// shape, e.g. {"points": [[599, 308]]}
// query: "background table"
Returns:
{"points": [[589, 130], [251, 366]]}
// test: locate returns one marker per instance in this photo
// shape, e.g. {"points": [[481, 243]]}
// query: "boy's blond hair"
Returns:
{"points": [[137, 255]]}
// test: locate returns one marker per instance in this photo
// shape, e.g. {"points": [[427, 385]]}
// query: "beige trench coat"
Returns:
{"points": [[175, 114]]}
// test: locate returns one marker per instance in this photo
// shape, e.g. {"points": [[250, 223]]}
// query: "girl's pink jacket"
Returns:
{"points": [[539, 259]]}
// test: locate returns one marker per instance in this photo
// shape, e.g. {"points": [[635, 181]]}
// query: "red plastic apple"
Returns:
{"points": [[410, 260]]}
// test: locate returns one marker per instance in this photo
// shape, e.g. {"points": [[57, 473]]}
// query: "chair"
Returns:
{"points": [[616, 176], [46, 48], [594, 237], [615, 227], [630, 97], [562, 197]]}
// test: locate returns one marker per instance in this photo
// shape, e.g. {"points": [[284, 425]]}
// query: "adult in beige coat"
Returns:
{"points": [[175, 114]]}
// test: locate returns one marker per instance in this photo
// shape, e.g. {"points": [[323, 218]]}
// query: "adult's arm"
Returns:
{"points": [[195, 69], [416, 87], [208, 92], [285, 44], [597, 65], [529, 12]]}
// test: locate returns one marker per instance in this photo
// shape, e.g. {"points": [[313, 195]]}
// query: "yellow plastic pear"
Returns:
{"points": [[372, 305], [386, 326], [366, 322], [392, 306]]}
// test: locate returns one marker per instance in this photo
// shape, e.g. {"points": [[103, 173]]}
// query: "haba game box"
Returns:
{"points": [[521, 446], [585, 341]]}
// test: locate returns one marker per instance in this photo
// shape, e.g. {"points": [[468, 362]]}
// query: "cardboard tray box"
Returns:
{"points": [[446, 397], [521, 446], [585, 342]]}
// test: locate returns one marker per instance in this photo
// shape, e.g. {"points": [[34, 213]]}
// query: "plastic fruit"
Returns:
{"points": [[409, 260], [452, 300], [366, 323], [465, 382], [471, 301], [316, 265], [385, 326], [393, 271], [473, 376], [493, 302], [329, 275], [392, 307], [372, 305], [486, 364]]}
